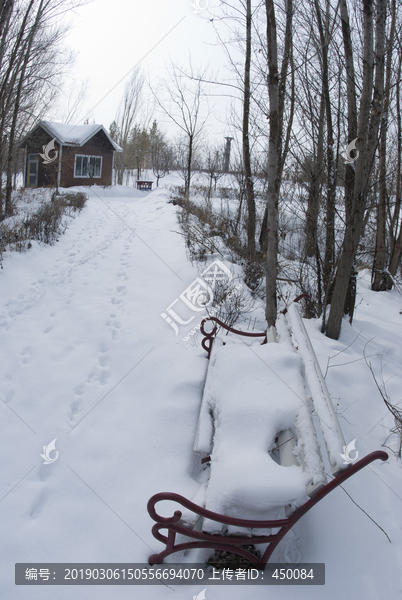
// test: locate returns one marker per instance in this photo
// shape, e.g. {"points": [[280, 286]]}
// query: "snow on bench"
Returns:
{"points": [[240, 419], [331, 429]]}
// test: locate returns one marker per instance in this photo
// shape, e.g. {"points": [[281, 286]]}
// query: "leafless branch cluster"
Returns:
{"points": [[393, 409]]}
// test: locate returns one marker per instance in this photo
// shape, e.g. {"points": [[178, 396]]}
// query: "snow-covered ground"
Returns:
{"points": [[87, 359]]}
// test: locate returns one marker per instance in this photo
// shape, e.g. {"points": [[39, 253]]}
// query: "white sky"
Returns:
{"points": [[110, 37]]}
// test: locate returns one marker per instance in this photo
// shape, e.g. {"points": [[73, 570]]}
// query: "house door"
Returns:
{"points": [[33, 165]]}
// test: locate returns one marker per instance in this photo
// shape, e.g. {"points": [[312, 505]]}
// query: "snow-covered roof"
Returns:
{"points": [[76, 135]]}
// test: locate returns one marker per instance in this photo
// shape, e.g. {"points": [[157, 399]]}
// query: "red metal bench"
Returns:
{"points": [[233, 543]]}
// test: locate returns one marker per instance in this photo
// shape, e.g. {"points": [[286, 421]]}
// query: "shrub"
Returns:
{"points": [[44, 224]]}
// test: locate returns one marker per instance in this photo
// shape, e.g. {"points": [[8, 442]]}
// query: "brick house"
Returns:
{"points": [[60, 155]]}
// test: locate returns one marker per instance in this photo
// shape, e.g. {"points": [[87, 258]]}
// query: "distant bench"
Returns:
{"points": [[144, 185]]}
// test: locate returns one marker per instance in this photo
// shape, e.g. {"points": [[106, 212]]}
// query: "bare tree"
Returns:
{"points": [[379, 279], [213, 164], [182, 101], [127, 113], [324, 33], [395, 222], [32, 63], [367, 131], [72, 102]]}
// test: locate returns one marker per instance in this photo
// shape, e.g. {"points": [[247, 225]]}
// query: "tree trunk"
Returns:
{"points": [[189, 161], [6, 10], [364, 164], [352, 110], [329, 257], [283, 148], [246, 140], [287, 58], [313, 202], [352, 135], [273, 166], [379, 282], [396, 239]]}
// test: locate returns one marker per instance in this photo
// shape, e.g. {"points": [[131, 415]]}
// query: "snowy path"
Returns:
{"points": [[81, 331], [86, 358]]}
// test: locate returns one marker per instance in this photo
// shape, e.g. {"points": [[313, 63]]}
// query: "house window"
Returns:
{"points": [[87, 166]]}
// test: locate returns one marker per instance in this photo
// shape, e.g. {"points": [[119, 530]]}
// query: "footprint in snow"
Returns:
{"points": [[104, 360], [38, 505], [9, 395], [79, 389], [99, 375], [44, 472], [75, 406], [26, 353]]}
